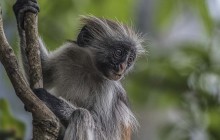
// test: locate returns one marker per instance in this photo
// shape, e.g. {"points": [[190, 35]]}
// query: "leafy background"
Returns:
{"points": [[175, 87]]}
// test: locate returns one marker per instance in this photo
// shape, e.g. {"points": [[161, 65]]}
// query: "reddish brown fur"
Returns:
{"points": [[126, 133]]}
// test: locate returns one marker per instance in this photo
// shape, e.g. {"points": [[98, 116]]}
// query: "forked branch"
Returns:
{"points": [[45, 123]]}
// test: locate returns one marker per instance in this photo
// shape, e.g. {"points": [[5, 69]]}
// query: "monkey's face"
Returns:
{"points": [[116, 62], [113, 44]]}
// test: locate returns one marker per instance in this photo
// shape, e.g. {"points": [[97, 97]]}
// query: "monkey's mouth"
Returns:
{"points": [[115, 76]]}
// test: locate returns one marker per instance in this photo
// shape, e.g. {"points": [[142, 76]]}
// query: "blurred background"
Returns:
{"points": [[175, 88]]}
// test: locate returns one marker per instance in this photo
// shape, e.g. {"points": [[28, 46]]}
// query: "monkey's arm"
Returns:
{"points": [[78, 121], [20, 8], [61, 108]]}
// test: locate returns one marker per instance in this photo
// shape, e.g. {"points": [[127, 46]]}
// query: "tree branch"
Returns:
{"points": [[32, 50], [45, 123]]}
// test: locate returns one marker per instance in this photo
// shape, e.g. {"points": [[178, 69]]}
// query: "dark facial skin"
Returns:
{"points": [[118, 61]]}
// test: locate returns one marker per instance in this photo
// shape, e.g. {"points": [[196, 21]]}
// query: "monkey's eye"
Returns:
{"points": [[130, 60], [118, 53]]}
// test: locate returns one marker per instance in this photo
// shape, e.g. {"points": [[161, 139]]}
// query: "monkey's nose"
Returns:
{"points": [[121, 68]]}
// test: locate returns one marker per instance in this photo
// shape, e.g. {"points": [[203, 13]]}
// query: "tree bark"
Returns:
{"points": [[45, 123], [32, 50]]}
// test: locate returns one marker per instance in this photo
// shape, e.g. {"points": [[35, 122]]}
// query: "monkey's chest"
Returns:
{"points": [[101, 102], [87, 94]]}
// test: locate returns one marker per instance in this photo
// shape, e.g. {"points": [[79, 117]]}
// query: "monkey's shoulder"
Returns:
{"points": [[71, 51], [71, 55]]}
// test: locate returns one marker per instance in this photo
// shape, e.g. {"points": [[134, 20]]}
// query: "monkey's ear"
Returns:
{"points": [[84, 38]]}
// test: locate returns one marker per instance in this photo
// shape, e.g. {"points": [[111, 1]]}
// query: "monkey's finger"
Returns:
{"points": [[20, 5], [21, 14]]}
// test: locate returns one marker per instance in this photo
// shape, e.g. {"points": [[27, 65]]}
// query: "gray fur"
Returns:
{"points": [[70, 72], [82, 124], [104, 29], [78, 81]]}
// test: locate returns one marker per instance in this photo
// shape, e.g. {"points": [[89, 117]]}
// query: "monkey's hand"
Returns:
{"points": [[78, 122], [60, 107], [23, 6]]}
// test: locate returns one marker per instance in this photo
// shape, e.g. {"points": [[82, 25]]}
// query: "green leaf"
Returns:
{"points": [[10, 126]]}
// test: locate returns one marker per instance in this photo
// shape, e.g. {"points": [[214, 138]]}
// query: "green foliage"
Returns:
{"points": [[167, 10], [184, 76], [10, 127], [181, 79], [59, 21]]}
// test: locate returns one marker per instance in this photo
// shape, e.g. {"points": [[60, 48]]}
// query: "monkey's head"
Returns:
{"points": [[115, 46]]}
